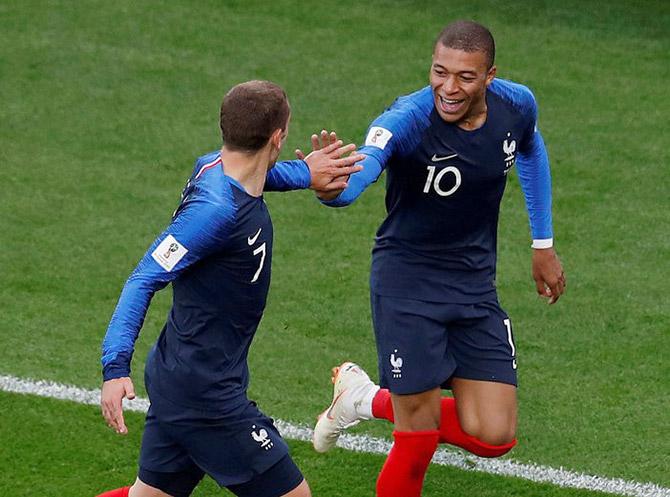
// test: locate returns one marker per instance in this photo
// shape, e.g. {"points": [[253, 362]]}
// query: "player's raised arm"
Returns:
{"points": [[395, 131], [198, 229], [323, 169], [535, 178]]}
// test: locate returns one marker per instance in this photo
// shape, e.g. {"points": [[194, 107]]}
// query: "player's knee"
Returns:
{"points": [[502, 434], [494, 427]]}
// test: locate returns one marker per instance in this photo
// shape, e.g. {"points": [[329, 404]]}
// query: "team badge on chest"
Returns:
{"points": [[509, 147]]}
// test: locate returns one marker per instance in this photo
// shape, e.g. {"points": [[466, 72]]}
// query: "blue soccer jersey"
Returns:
{"points": [[217, 254], [444, 188]]}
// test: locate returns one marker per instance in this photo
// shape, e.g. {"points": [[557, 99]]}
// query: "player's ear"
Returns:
{"points": [[277, 138], [490, 75]]}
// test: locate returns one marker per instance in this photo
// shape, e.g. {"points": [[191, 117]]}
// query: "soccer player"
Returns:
{"points": [[447, 150], [216, 253]]}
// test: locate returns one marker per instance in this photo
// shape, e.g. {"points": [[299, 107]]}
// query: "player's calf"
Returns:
{"points": [[406, 464]]}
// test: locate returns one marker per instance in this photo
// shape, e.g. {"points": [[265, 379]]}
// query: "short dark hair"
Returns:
{"points": [[469, 36], [251, 112]]}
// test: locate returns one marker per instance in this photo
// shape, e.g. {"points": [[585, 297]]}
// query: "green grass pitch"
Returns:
{"points": [[105, 105]]}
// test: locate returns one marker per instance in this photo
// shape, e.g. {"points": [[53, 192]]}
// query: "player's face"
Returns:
{"points": [[459, 80]]}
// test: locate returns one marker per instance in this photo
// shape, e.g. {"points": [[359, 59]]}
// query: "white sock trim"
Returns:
{"points": [[364, 411]]}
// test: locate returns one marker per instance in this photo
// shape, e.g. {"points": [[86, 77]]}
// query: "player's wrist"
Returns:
{"points": [[113, 372], [542, 243]]}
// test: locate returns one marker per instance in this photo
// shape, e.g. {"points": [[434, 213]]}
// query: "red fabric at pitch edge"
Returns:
{"points": [[450, 428], [406, 464], [119, 492]]}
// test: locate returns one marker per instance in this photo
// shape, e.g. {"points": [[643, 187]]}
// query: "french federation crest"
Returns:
{"points": [[262, 438], [509, 147], [396, 363]]}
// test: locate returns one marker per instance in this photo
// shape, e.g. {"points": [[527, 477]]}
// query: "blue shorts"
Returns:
{"points": [[422, 345], [244, 453]]}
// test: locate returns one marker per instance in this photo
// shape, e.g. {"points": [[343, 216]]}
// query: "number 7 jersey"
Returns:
{"points": [[444, 186], [217, 254]]}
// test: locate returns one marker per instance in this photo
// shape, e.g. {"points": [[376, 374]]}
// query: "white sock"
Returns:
{"points": [[364, 408]]}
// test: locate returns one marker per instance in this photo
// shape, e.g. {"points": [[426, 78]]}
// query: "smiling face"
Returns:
{"points": [[459, 80]]}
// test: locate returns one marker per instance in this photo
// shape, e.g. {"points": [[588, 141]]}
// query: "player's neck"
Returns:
{"points": [[475, 119], [249, 170]]}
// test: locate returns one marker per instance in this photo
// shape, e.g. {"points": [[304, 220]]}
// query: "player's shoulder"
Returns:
{"points": [[519, 96], [418, 101], [205, 162], [209, 193], [405, 116], [415, 105]]}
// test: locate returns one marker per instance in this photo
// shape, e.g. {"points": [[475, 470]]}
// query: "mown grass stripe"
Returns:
{"points": [[374, 445]]}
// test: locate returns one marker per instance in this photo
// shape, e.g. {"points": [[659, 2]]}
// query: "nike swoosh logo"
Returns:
{"points": [[252, 239], [328, 412], [435, 158]]}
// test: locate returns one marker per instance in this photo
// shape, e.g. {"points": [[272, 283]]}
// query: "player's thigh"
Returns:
{"points": [[486, 410], [485, 378], [412, 344]]}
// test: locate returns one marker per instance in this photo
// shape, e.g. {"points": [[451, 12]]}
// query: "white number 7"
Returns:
{"points": [[259, 250]]}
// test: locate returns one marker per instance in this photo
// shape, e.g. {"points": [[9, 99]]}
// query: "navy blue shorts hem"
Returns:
{"points": [[469, 375], [179, 484], [416, 389], [278, 480]]}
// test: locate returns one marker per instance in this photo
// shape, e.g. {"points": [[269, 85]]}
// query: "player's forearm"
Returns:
{"points": [[124, 327], [288, 175], [535, 178], [357, 183]]}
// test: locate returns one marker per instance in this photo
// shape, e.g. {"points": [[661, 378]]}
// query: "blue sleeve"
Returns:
{"points": [[288, 175], [535, 177], [199, 229], [396, 132]]}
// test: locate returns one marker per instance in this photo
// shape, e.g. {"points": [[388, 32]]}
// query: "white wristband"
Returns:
{"points": [[543, 243]]}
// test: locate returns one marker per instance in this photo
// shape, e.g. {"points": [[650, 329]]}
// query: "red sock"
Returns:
{"points": [[119, 492], [382, 408], [406, 464], [450, 428]]}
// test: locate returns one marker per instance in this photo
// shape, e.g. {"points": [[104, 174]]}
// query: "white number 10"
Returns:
{"points": [[438, 179]]}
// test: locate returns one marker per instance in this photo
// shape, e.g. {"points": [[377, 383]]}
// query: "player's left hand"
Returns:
{"points": [[328, 163], [113, 392], [548, 274]]}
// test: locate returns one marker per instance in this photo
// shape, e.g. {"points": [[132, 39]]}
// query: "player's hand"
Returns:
{"points": [[548, 274], [329, 163], [113, 392], [318, 142]]}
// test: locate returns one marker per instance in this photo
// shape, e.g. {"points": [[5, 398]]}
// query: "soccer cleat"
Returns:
{"points": [[352, 401]]}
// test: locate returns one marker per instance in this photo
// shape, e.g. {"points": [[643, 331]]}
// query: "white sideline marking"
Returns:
{"points": [[372, 445]]}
